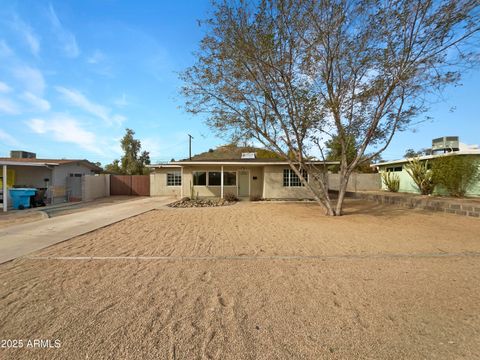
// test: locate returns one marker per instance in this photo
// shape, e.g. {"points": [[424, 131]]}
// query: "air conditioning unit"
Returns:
{"points": [[446, 143], [20, 154]]}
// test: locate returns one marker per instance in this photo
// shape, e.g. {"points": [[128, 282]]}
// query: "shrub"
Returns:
{"points": [[421, 175], [230, 197], [455, 173], [391, 180]]}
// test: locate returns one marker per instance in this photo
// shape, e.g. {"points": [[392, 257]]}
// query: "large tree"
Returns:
{"points": [[294, 73], [133, 161]]}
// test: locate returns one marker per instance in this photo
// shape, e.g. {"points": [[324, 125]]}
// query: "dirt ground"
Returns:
{"points": [[253, 281]]}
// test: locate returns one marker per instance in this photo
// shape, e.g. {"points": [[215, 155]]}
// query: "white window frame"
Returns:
{"points": [[177, 179], [291, 173]]}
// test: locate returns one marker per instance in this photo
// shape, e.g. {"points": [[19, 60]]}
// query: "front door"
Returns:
{"points": [[243, 183]]}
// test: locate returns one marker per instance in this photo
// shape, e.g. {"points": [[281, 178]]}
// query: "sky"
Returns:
{"points": [[75, 74]]}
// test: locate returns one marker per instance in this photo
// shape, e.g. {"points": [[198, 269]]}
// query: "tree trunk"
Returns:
{"points": [[342, 190]]}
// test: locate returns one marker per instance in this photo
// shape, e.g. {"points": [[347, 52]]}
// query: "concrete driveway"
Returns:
{"points": [[19, 240]]}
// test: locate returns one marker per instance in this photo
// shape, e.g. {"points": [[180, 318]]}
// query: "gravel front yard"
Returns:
{"points": [[253, 281]]}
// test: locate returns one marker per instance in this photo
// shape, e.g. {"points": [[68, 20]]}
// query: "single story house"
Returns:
{"points": [[246, 176], [408, 185], [60, 178]]}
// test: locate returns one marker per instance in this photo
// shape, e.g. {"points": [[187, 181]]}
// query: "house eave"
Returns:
{"points": [[427, 157], [23, 163], [236, 163]]}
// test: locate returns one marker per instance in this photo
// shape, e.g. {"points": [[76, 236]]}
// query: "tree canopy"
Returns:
{"points": [[133, 161], [294, 73]]}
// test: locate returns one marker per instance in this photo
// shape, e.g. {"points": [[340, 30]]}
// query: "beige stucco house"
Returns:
{"points": [[246, 177]]}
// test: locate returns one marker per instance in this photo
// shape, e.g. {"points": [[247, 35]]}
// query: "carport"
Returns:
{"points": [[38, 166]]}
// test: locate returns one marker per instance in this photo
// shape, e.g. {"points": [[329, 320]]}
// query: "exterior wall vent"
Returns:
{"points": [[446, 143]]}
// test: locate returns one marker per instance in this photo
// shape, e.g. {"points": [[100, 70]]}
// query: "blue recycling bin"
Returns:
{"points": [[21, 197]]}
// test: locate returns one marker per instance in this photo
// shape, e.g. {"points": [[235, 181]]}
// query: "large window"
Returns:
{"points": [[214, 178], [290, 179], [199, 178], [174, 178], [395, 169], [229, 178]]}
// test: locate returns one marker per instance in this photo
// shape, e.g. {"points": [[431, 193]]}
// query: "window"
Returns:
{"points": [[174, 178], [75, 175], [199, 178], [229, 178], [290, 179], [394, 169], [214, 178]]}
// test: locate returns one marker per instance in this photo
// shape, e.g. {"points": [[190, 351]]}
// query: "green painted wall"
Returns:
{"points": [[407, 185]]}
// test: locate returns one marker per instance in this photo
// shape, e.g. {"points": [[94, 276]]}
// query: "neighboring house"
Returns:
{"points": [[448, 149], [229, 170], [60, 178]]}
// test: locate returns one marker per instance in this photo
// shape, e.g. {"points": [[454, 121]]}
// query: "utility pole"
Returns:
{"points": [[190, 137]]}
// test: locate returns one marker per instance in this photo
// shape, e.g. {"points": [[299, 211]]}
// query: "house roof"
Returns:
{"points": [[232, 155], [428, 157], [46, 162], [233, 152]]}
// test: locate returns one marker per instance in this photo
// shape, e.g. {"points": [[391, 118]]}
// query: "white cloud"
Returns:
{"points": [[9, 107], [37, 125], [96, 57], [65, 37], [5, 50], [66, 129], [4, 88], [31, 78], [8, 139], [37, 102], [76, 98], [27, 33]]}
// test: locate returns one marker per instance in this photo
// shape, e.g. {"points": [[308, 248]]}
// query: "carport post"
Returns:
{"points": [[221, 183], [181, 182], [4, 184]]}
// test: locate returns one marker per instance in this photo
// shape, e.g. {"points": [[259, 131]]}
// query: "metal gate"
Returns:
{"points": [[74, 188], [138, 185]]}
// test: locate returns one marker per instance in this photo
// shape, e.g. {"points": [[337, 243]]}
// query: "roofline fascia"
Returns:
{"points": [[427, 157], [253, 163], [21, 163]]}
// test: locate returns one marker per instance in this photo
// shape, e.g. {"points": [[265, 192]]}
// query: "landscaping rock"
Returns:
{"points": [[189, 203]]}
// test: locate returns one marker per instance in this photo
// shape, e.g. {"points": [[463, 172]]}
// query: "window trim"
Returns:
{"points": [[177, 175], [206, 177], [290, 175], [207, 180], [394, 168]]}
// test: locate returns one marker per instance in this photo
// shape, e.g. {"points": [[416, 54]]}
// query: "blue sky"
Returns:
{"points": [[74, 75]]}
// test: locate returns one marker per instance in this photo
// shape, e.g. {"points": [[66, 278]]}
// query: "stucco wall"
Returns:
{"points": [[274, 189], [265, 182], [357, 182], [31, 176], [158, 184], [60, 173], [408, 185], [95, 186]]}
